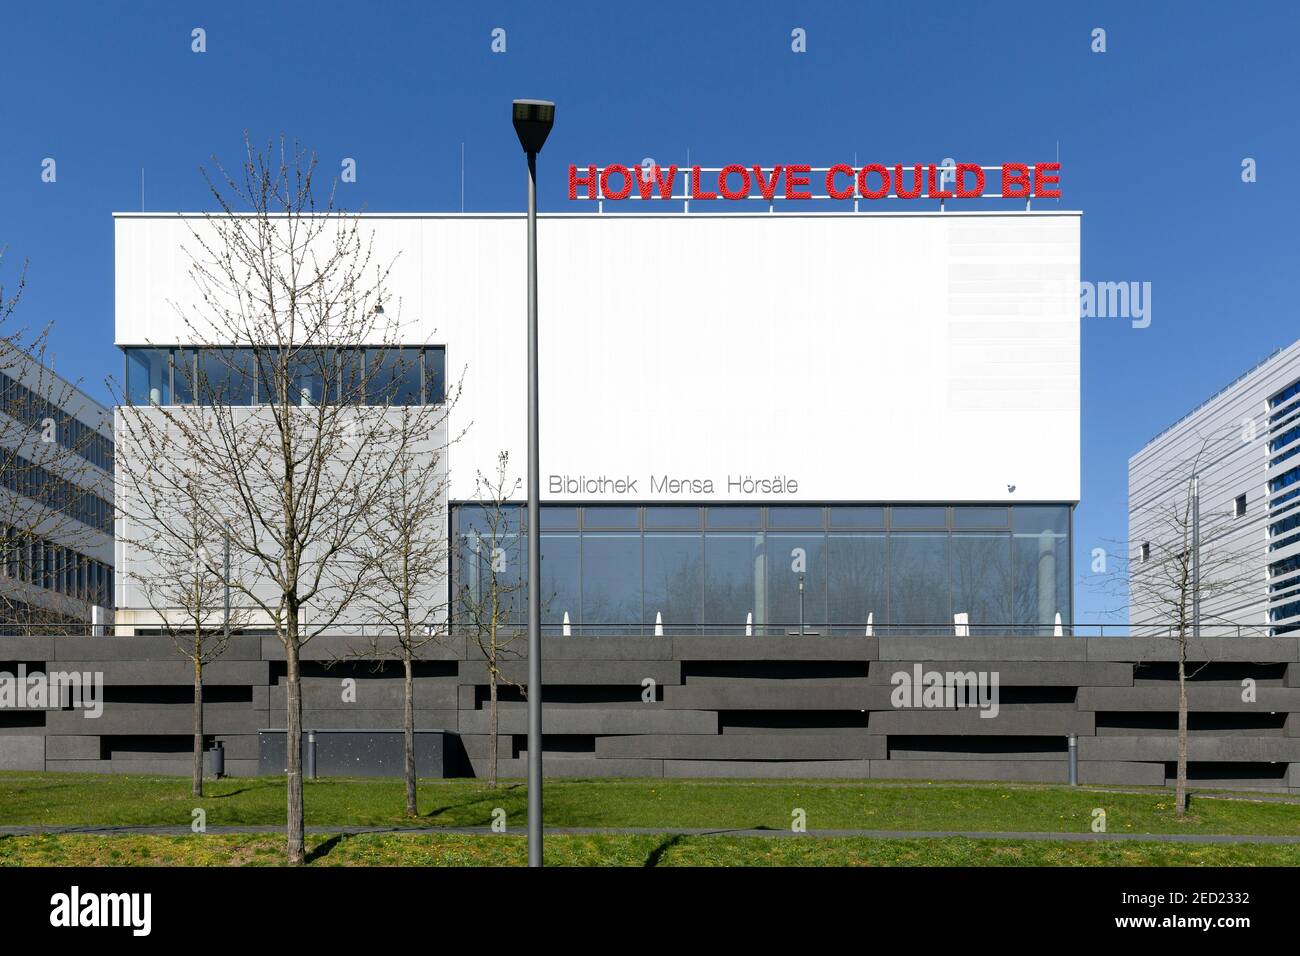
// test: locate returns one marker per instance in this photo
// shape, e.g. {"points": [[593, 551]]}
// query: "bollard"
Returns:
{"points": [[1072, 742], [311, 755], [217, 759]]}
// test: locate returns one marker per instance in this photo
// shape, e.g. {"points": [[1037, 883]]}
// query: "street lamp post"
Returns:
{"points": [[533, 120]]}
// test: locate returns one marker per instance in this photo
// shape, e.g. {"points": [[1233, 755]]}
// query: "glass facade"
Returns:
{"points": [[236, 376], [1284, 509], [909, 570]]}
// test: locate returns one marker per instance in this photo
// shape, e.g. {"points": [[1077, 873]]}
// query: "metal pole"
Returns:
{"points": [[1073, 743], [225, 619], [1196, 556], [801, 605], [534, 547]]}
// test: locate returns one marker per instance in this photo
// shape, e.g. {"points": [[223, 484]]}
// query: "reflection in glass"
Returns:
{"points": [[855, 580], [393, 376], [611, 580], [918, 580], [561, 574], [981, 579], [225, 377], [674, 581], [148, 377], [791, 557], [733, 581], [1041, 579]]}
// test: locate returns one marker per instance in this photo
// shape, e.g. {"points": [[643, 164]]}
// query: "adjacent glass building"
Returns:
{"points": [[613, 569]]}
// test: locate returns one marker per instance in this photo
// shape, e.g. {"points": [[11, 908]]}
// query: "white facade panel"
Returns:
{"points": [[876, 357]]}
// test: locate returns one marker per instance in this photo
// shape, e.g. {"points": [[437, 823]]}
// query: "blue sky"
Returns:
{"points": [[1152, 134]]}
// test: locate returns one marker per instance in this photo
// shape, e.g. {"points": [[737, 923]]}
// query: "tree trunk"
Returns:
{"points": [[293, 750], [408, 729], [196, 787], [1180, 792], [492, 727]]}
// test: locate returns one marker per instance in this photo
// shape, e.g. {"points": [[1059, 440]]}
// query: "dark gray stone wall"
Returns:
{"points": [[781, 707]]}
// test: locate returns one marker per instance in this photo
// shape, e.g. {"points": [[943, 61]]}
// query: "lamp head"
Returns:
{"points": [[533, 120]]}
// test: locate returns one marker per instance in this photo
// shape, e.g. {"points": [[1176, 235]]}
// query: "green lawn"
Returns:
{"points": [[86, 799], [434, 849]]}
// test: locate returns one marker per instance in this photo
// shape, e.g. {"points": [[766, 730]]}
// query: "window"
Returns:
{"points": [[392, 376], [1146, 551], [1239, 506], [148, 377]]}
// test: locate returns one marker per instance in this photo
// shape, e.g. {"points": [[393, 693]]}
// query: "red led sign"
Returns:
{"points": [[873, 181]]}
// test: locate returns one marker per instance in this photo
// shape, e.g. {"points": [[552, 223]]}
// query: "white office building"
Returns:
{"points": [[56, 499], [1243, 445], [747, 421]]}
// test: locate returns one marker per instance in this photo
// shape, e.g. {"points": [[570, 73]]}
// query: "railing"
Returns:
{"points": [[729, 628]]}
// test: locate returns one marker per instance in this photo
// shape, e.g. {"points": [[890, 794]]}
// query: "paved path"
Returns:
{"points": [[1071, 837]]}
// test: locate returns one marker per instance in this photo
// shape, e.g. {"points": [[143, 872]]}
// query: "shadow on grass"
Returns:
{"points": [[321, 850], [657, 854], [481, 797]]}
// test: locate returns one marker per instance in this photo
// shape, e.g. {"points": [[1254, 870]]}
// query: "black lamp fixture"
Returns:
{"points": [[533, 120]]}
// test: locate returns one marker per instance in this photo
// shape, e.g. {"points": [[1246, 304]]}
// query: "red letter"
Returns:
{"points": [[1020, 181], [932, 192], [767, 188], [624, 191], [1047, 174], [665, 188], [575, 181], [916, 182], [744, 179], [695, 186], [831, 173], [884, 182], [962, 191], [794, 177]]}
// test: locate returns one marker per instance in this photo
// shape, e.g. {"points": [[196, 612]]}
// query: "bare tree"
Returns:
{"points": [[180, 565], [404, 556], [1184, 572], [292, 416], [52, 469], [489, 583]]}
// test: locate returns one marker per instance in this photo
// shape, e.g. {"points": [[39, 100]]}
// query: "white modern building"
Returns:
{"points": [[56, 499], [1243, 446], [844, 420]]}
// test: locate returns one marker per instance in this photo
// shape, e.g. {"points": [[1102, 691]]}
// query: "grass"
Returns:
{"points": [[65, 799], [435, 849]]}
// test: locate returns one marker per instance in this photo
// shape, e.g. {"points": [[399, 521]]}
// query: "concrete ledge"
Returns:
{"points": [[775, 695], [744, 747], [340, 647], [1201, 748], [345, 719], [169, 672], [326, 694], [943, 723], [1109, 772], [807, 648], [562, 672], [1020, 673], [553, 766], [71, 748], [1231, 649], [1018, 771], [584, 721], [982, 649], [796, 769], [27, 648], [22, 752], [114, 648], [1199, 698]]}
